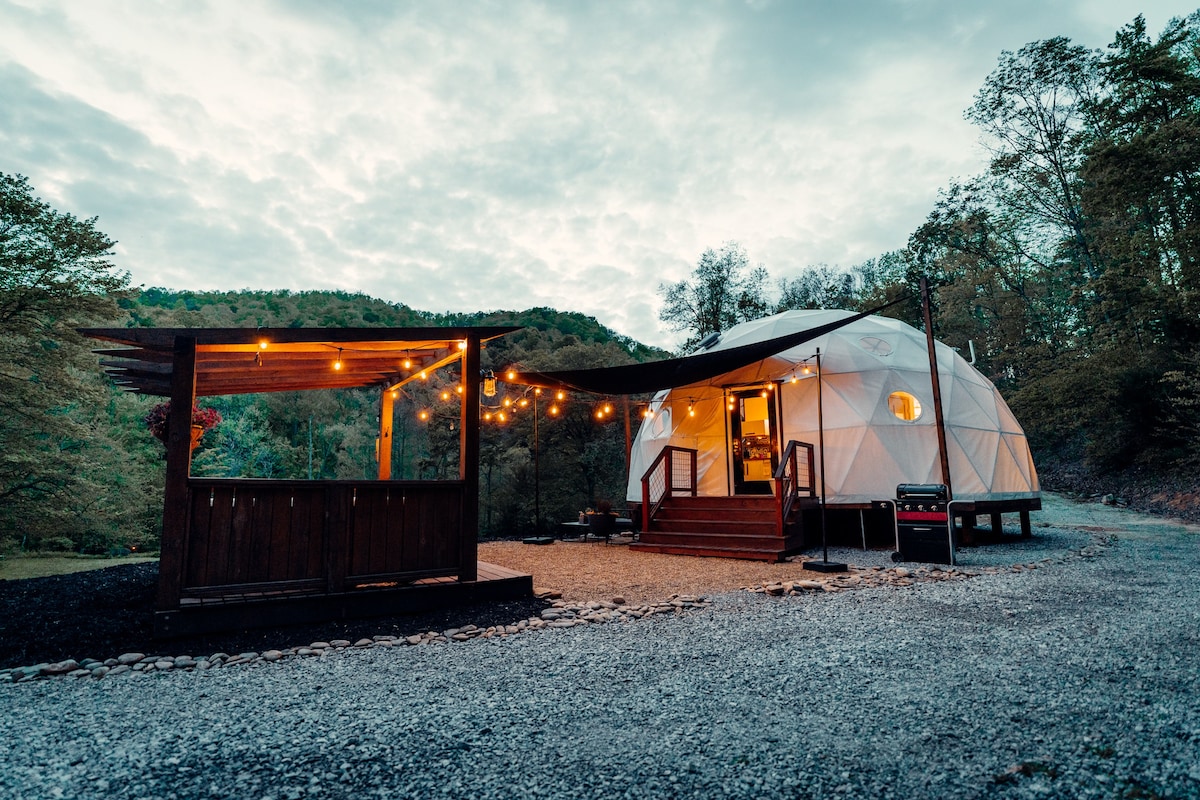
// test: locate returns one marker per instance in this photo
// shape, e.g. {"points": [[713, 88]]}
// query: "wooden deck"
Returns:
{"points": [[275, 605]]}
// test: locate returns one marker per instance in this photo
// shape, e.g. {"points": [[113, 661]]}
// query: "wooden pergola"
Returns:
{"points": [[241, 552]]}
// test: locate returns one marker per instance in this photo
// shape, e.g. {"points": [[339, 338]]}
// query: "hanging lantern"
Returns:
{"points": [[489, 384]]}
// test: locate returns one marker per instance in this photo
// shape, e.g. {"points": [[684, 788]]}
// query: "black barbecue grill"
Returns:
{"points": [[923, 531]]}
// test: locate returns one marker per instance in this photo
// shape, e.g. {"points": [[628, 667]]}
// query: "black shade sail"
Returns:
{"points": [[673, 372]]}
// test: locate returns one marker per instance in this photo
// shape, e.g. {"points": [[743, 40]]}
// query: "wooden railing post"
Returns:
{"points": [[179, 463]]}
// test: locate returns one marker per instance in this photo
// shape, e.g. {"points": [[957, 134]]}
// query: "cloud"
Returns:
{"points": [[503, 155]]}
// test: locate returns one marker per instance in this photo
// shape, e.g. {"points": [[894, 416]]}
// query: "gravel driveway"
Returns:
{"points": [[1077, 678]]}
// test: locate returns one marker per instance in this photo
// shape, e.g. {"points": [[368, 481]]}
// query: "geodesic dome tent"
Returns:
{"points": [[877, 407]]}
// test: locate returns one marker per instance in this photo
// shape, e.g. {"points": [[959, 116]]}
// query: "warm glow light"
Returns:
{"points": [[648, 413], [507, 402], [554, 411], [338, 364], [537, 390], [459, 388], [423, 375], [794, 378], [445, 395], [512, 373], [262, 344], [408, 363], [524, 402], [500, 416], [764, 392], [462, 345], [807, 369], [424, 415], [691, 410], [599, 414], [487, 416], [607, 408], [395, 395], [561, 395]]}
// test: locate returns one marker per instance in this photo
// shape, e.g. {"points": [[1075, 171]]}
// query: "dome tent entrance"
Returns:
{"points": [[879, 427]]}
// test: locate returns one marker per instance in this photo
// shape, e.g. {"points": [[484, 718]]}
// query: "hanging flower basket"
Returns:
{"points": [[203, 419]]}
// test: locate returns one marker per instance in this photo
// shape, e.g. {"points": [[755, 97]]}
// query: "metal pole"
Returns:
{"points": [[939, 421], [537, 481], [821, 442], [824, 565]]}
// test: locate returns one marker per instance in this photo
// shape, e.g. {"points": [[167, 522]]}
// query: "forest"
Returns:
{"points": [[1070, 268]]}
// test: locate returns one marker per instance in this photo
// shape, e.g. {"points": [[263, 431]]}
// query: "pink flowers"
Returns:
{"points": [[156, 419]]}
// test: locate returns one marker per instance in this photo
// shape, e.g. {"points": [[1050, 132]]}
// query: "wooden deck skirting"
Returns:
{"points": [[269, 606]]}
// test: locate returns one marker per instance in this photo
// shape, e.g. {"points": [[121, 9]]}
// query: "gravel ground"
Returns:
{"points": [[1078, 678]]}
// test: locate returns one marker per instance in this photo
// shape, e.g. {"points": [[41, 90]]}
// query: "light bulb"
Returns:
{"points": [[408, 363], [512, 373], [561, 395], [445, 395], [554, 411]]}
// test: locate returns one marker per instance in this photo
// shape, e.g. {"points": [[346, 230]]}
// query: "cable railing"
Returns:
{"points": [[794, 478], [673, 472]]}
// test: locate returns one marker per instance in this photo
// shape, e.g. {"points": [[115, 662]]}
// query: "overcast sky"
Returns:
{"points": [[469, 156]]}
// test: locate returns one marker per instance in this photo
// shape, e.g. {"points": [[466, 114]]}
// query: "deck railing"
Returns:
{"points": [[674, 471], [256, 536], [794, 478]]}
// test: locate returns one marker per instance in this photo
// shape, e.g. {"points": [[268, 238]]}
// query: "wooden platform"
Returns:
{"points": [[267, 607], [743, 527]]}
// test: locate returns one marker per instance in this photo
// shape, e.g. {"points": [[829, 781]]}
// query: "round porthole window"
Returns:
{"points": [[904, 406], [875, 346]]}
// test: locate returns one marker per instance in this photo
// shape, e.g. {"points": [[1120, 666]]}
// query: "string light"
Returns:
{"points": [[508, 402], [262, 344], [554, 411], [445, 395], [423, 375], [649, 412], [424, 415], [524, 402], [459, 388], [338, 364], [500, 417], [560, 395], [462, 345], [408, 363], [512, 374], [489, 384], [395, 395]]}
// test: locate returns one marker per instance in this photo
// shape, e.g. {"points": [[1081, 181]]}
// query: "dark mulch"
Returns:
{"points": [[106, 612]]}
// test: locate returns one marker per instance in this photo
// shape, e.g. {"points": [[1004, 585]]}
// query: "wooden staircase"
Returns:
{"points": [[725, 527]]}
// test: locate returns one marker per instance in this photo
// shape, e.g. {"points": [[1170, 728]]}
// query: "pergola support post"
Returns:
{"points": [[468, 461], [179, 465], [386, 407]]}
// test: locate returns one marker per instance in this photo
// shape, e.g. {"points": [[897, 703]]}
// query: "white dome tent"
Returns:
{"points": [[879, 426]]}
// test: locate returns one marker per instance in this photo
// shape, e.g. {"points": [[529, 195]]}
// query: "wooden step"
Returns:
{"points": [[765, 501], [736, 541], [716, 526], [711, 552], [716, 514]]}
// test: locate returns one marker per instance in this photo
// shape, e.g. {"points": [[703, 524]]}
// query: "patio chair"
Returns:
{"points": [[602, 525]]}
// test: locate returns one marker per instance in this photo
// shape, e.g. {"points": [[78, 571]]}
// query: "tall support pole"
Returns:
{"points": [[537, 469], [179, 465], [939, 420], [386, 420], [628, 433], [824, 565], [468, 461]]}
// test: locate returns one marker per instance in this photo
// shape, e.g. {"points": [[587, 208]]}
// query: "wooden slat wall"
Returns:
{"points": [[319, 536]]}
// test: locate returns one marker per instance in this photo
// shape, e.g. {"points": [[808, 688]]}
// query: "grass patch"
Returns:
{"points": [[40, 566]]}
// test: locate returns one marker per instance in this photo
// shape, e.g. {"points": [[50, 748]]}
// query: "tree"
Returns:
{"points": [[820, 286], [55, 274], [724, 290]]}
